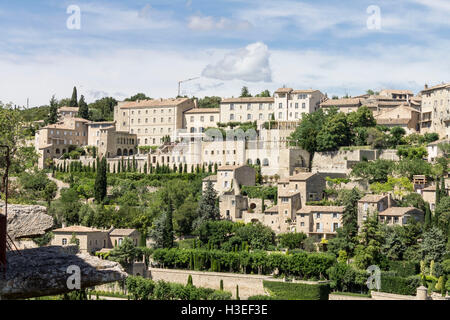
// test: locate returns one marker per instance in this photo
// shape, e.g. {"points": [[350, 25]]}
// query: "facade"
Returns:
{"points": [[434, 151], [320, 222], [400, 215], [289, 104], [68, 112], [436, 110], [91, 240], [258, 109], [229, 177], [152, 120], [114, 143], [54, 140], [402, 116], [370, 204], [197, 120], [345, 105]]}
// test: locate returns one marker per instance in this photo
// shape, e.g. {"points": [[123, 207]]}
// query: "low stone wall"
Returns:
{"points": [[390, 296], [344, 297], [249, 285]]}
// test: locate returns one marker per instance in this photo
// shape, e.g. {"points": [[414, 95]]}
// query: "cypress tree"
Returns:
{"points": [[443, 189], [157, 170], [145, 168], [189, 282], [438, 193], [174, 169], [237, 292], [192, 169], [118, 167], [134, 164], [101, 181], [221, 285], [114, 167], [83, 111], [151, 168], [428, 218], [53, 113], [128, 165], [74, 100], [180, 168], [185, 168], [215, 167]]}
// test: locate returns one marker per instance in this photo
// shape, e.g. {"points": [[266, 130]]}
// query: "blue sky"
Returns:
{"points": [[124, 47]]}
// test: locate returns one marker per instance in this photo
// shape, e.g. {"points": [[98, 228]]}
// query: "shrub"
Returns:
{"points": [[400, 285], [297, 291], [404, 268], [260, 297]]}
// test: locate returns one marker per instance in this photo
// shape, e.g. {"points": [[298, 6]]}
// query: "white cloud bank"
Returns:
{"points": [[248, 64], [200, 23]]}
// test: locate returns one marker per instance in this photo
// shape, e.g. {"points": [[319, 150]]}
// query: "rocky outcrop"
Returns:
{"points": [[27, 221], [44, 271]]}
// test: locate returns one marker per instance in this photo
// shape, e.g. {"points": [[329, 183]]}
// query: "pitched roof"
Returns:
{"points": [[227, 168], [341, 102], [274, 209], [437, 87], [372, 198], [203, 110], [249, 100], [398, 211], [304, 91], [391, 91], [332, 209], [77, 229], [284, 90], [153, 103], [122, 232], [212, 178], [301, 176]]}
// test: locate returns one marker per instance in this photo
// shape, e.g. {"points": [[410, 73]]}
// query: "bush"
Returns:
{"points": [[404, 268], [297, 291], [400, 285], [260, 297]]}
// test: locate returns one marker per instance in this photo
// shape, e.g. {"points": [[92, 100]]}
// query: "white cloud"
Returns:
{"points": [[209, 23], [248, 64]]}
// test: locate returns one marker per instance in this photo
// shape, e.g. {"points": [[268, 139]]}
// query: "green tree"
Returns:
{"points": [[50, 192], [433, 246], [292, 240], [53, 112], [207, 209], [126, 253], [101, 181], [370, 240], [245, 93], [74, 100], [83, 111], [350, 219]]}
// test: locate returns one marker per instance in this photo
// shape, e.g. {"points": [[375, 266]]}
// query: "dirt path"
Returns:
{"points": [[59, 184]]}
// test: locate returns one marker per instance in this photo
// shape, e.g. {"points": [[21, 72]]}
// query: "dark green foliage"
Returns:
{"points": [[292, 240], [53, 113], [83, 111], [74, 101], [399, 285], [260, 297], [100, 181], [207, 207], [297, 291], [347, 279], [404, 268]]}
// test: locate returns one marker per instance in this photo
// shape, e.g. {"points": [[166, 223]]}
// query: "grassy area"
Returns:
{"points": [[352, 294], [353, 148]]}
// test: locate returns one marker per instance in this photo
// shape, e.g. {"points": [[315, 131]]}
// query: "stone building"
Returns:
{"points": [[152, 120], [436, 110], [229, 177], [114, 143], [89, 240], [320, 222], [400, 215], [372, 203], [402, 116], [53, 140], [68, 112], [290, 104], [248, 109], [197, 120], [345, 105]]}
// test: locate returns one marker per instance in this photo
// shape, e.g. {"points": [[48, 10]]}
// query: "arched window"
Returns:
{"points": [[125, 152], [119, 152], [57, 151], [266, 162], [130, 153]]}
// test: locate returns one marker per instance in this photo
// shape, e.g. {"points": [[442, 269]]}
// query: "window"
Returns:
{"points": [[302, 224], [120, 241], [64, 241], [335, 215], [284, 200], [249, 116], [280, 105], [211, 118], [231, 106], [318, 215], [318, 226], [296, 105], [261, 116], [335, 226], [231, 116]]}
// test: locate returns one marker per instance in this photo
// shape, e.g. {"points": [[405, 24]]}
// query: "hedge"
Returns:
{"points": [[400, 285], [297, 291], [260, 297], [302, 265], [404, 268]]}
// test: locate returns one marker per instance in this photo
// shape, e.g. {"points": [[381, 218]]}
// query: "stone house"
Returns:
{"points": [[320, 222], [228, 177], [402, 116], [116, 236], [372, 203], [400, 215]]}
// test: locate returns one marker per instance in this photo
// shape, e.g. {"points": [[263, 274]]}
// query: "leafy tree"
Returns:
{"points": [[264, 94], [371, 238], [50, 192], [245, 93], [138, 96], [376, 138], [74, 100], [102, 110], [160, 232], [442, 214], [399, 186], [363, 117], [126, 253], [396, 136], [209, 102], [433, 246], [350, 219], [334, 134], [83, 111], [292, 240]]}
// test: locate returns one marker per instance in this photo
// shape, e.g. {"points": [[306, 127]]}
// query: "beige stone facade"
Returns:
{"points": [[229, 177], [91, 240], [114, 143], [54, 140], [320, 222], [345, 105], [436, 110], [197, 120], [152, 120], [402, 116]]}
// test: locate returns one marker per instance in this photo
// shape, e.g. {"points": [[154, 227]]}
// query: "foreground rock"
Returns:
{"points": [[43, 271], [27, 221]]}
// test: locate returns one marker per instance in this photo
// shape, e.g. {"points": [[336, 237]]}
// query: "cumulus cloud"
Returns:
{"points": [[209, 23], [249, 64]]}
